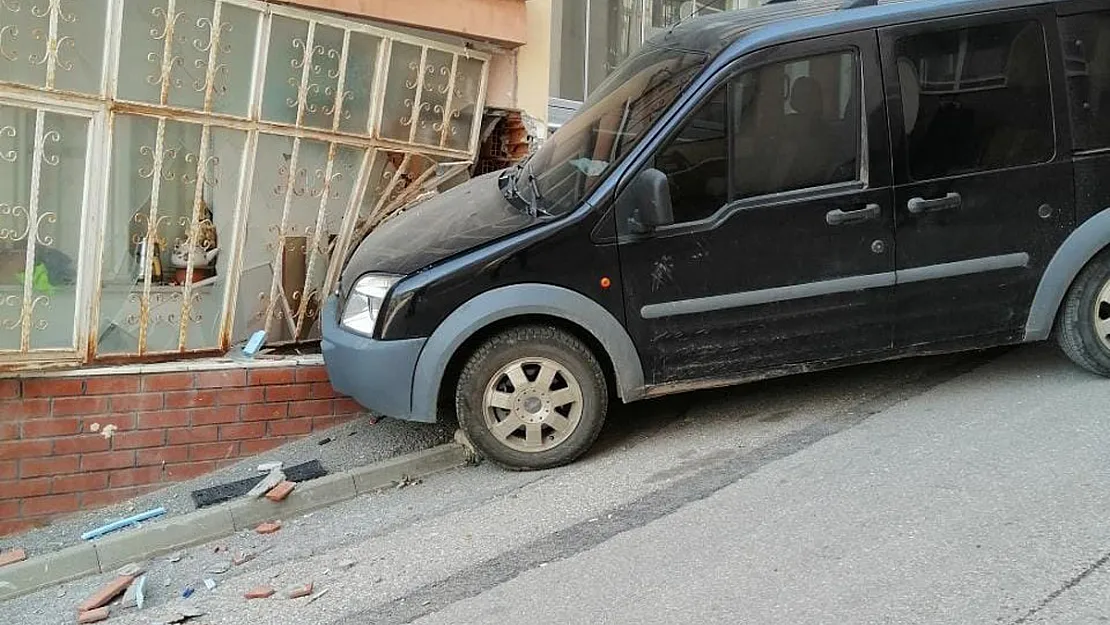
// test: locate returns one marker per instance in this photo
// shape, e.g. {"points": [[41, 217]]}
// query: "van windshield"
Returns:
{"points": [[574, 160]]}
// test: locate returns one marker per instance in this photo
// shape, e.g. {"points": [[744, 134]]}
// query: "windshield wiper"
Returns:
{"points": [[537, 197]]}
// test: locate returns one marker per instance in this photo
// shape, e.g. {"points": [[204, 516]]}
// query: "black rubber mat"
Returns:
{"points": [[226, 492]]}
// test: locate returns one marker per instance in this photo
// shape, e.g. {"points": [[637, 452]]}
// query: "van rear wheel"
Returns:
{"points": [[532, 397], [1083, 327]]}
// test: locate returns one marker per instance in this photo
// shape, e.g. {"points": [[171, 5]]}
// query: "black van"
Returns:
{"points": [[789, 188]]}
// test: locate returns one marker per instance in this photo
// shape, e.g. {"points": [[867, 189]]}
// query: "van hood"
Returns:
{"points": [[460, 219]]}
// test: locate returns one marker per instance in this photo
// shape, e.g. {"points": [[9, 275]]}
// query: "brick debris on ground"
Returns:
{"points": [[75, 443]]}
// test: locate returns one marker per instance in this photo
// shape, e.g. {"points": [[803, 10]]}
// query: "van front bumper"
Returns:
{"points": [[377, 374]]}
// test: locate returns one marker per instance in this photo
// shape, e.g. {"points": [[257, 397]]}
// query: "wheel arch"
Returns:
{"points": [[1077, 250], [485, 314]]}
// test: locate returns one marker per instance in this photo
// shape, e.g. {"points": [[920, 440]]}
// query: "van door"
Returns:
{"points": [[778, 249], [983, 195]]}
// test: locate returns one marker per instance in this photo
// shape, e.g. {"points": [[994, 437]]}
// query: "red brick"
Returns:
{"points": [[55, 465], [136, 477], [347, 406], [259, 592], [323, 390], [80, 483], [144, 457], [186, 436], [213, 451], [45, 428], [108, 460], [323, 423], [9, 509], [208, 416], [281, 491], [292, 392], [86, 617], [24, 409], [112, 385], [167, 381], [237, 431], [81, 444], [162, 419], [262, 412], [268, 527], [221, 379], [121, 421], [50, 504], [266, 377], [291, 427], [53, 387], [9, 431], [63, 406], [12, 556], [315, 407], [141, 438], [15, 527], [8, 469], [26, 449], [139, 401], [238, 396], [189, 470], [257, 446], [316, 373], [10, 389], [23, 488], [190, 399], [106, 593]]}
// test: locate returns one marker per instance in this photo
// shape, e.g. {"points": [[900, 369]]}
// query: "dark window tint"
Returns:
{"points": [[797, 125], [1087, 61], [975, 99], [696, 162]]}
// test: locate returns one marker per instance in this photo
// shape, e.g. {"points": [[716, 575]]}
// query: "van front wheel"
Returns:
{"points": [[1083, 327], [532, 397]]}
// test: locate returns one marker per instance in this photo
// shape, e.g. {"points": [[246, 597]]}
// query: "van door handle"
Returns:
{"points": [[919, 205], [838, 217]]}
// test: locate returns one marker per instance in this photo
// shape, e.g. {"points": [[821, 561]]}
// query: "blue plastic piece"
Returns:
{"points": [[255, 343], [188, 592], [122, 523]]}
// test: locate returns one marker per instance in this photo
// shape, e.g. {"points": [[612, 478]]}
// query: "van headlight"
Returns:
{"points": [[360, 313]]}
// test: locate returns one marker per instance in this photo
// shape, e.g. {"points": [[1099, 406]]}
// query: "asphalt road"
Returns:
{"points": [[957, 489]]}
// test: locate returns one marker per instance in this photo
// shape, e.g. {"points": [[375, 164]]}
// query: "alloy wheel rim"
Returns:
{"points": [[1101, 316], [532, 405]]}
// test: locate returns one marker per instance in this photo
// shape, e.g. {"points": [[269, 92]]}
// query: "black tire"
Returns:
{"points": [[1075, 329], [508, 349]]}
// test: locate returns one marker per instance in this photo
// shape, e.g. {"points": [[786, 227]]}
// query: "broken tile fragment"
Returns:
{"points": [[269, 527], [134, 596], [272, 479], [12, 556], [300, 591], [106, 593], [260, 592], [281, 491], [92, 616]]}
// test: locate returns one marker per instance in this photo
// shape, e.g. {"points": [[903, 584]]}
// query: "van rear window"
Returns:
{"points": [[1087, 64]]}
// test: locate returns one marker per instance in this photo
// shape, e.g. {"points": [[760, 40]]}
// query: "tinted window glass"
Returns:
{"points": [[696, 162], [797, 125], [975, 99], [1087, 61]]}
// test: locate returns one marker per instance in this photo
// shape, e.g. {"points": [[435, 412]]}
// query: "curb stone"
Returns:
{"points": [[173, 533]]}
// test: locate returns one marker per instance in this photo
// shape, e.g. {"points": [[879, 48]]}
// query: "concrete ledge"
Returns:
{"points": [[173, 533], [51, 568]]}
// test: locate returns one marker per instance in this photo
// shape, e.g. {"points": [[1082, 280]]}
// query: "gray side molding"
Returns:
{"points": [[513, 301], [1075, 252]]}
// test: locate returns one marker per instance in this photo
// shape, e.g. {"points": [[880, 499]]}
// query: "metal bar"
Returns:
{"points": [[90, 285], [479, 102], [213, 55], [341, 85], [238, 239], [52, 44], [193, 236], [167, 51], [151, 230], [343, 241], [397, 175], [446, 130], [261, 54], [586, 63], [94, 162], [418, 94], [306, 69], [377, 95], [37, 156], [112, 42], [314, 250], [279, 247]]}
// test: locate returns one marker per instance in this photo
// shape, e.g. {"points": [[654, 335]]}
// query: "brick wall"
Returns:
{"points": [[56, 454]]}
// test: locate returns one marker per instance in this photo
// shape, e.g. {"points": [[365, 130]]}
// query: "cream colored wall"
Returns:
{"points": [[533, 63]]}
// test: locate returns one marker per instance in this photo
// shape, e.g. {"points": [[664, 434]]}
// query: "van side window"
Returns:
{"points": [[696, 162], [797, 125], [975, 99], [1087, 62]]}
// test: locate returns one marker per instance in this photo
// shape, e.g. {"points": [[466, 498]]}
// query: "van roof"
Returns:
{"points": [[781, 22]]}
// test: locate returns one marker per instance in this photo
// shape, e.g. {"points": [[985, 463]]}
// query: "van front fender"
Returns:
{"points": [[1074, 253], [515, 301]]}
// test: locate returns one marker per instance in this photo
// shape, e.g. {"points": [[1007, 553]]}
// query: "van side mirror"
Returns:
{"points": [[650, 192]]}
